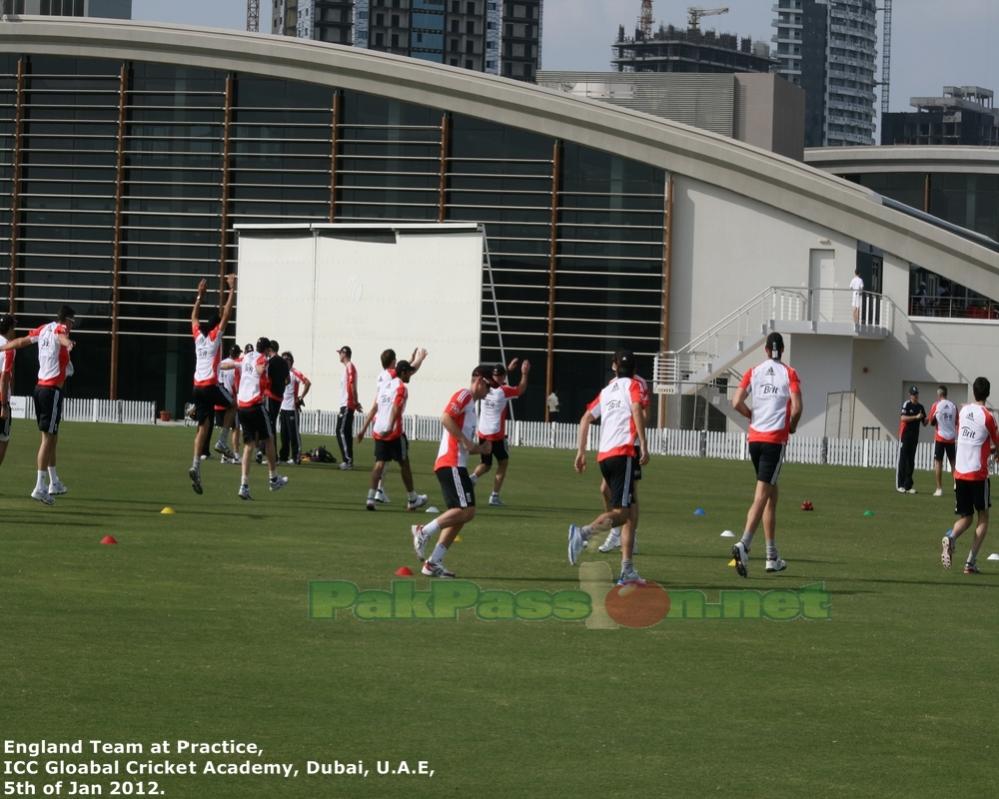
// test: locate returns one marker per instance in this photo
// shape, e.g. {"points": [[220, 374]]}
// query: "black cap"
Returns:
{"points": [[345, 350], [913, 389]]}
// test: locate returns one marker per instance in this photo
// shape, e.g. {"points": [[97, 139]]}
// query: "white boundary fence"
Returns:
{"points": [[868, 453]]}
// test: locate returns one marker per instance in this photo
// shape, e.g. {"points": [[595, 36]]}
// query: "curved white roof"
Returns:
{"points": [[905, 158], [740, 168]]}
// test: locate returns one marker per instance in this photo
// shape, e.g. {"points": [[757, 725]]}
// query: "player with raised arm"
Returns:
{"points": [[451, 467], [978, 437], [776, 392], [619, 408], [207, 356], [493, 413], [387, 373], [254, 419], [391, 444]]}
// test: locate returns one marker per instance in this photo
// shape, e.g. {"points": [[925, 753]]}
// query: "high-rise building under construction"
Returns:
{"points": [[829, 48], [502, 37]]}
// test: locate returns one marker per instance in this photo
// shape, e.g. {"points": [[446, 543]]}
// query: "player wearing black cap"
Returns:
{"points": [[913, 414]]}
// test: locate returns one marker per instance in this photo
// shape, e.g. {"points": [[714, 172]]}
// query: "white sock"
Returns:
{"points": [[40, 482], [432, 529], [196, 464], [411, 496], [53, 477], [474, 478], [438, 554]]}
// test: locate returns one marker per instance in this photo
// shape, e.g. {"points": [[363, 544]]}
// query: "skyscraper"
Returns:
{"points": [[829, 47], [502, 37], [108, 9]]}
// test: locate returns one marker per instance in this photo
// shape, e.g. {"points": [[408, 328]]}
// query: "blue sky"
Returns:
{"points": [[934, 43]]}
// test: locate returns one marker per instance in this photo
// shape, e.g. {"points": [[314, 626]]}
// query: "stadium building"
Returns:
{"points": [[131, 150]]}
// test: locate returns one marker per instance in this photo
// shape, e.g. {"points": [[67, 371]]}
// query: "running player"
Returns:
{"points": [[943, 416], [291, 438], [253, 417], [979, 436], [492, 424], [619, 409], [777, 407], [54, 347], [390, 442], [207, 354], [451, 468], [388, 373], [348, 405]]}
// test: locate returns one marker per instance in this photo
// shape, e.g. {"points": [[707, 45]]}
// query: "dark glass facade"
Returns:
{"points": [[120, 185]]}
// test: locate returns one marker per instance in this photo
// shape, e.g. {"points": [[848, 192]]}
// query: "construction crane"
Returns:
{"points": [[694, 13], [645, 20], [886, 56], [253, 15]]}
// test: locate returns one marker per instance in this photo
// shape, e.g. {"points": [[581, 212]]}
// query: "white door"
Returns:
{"points": [[821, 281]]}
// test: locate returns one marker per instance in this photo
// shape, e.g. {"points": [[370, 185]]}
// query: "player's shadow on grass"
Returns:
{"points": [[956, 583]]}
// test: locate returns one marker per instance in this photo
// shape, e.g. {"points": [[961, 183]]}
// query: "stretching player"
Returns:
{"points": [[254, 419], [387, 373], [492, 424]]}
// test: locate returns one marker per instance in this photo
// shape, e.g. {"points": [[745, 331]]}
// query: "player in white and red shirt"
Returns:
{"points": [[776, 392], [7, 325], [385, 420], [225, 415], [251, 393], [207, 356], [977, 439], [458, 441], [493, 413], [348, 405], [618, 407], [54, 346], [294, 397], [387, 373], [943, 416]]}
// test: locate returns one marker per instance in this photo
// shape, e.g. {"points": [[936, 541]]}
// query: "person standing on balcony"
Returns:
{"points": [[857, 298], [777, 407], [912, 416]]}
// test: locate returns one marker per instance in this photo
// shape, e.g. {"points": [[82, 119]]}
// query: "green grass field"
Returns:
{"points": [[195, 626]]}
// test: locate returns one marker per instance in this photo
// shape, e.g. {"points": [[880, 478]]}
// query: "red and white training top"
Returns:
{"points": [[207, 355], [617, 426], [252, 386], [451, 452], [771, 385], [53, 357], [977, 435], [6, 367], [391, 394], [945, 413], [493, 412], [289, 400], [348, 387], [227, 380]]}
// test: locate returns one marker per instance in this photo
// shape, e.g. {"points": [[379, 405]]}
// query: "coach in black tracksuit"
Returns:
{"points": [[913, 414]]}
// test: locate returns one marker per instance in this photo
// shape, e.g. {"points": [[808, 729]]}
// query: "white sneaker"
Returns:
{"points": [[195, 474], [244, 492], [431, 569], [346, 466], [612, 541], [900, 490], [495, 501], [42, 496], [938, 492], [57, 488], [946, 550], [741, 557], [382, 497], [912, 491], [576, 543], [630, 577], [413, 504], [419, 541], [277, 482], [776, 564]]}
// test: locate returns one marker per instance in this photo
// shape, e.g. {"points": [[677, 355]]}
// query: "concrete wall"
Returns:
{"points": [[825, 366], [770, 113]]}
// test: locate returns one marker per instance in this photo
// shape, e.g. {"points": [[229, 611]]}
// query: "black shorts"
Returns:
{"points": [[256, 424], [48, 408], [971, 495], [619, 472], [205, 399], [395, 449], [636, 468], [767, 459], [499, 451], [456, 486], [220, 416], [5, 428], [944, 447]]}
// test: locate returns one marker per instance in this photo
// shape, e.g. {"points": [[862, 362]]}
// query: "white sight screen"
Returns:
{"points": [[316, 288]]}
